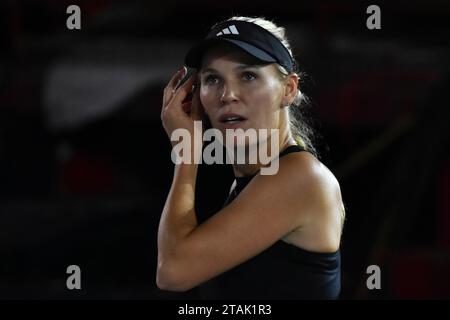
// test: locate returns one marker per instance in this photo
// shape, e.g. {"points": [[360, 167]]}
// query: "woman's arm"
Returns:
{"points": [[177, 221], [178, 218]]}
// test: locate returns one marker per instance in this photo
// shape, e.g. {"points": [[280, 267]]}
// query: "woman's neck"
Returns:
{"points": [[247, 168]]}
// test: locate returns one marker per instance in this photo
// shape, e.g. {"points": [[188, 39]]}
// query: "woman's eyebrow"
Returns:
{"points": [[208, 70]]}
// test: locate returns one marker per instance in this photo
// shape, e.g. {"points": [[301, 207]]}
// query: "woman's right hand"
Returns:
{"points": [[176, 112]]}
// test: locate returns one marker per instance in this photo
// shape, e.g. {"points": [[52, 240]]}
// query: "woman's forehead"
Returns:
{"points": [[228, 53]]}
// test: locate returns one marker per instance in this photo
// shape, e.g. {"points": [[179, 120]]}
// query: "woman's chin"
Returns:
{"points": [[238, 143]]}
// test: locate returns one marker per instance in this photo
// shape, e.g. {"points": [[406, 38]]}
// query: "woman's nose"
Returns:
{"points": [[229, 94]]}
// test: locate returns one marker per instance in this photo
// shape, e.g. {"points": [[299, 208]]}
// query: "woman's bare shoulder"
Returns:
{"points": [[322, 208], [305, 182], [305, 168]]}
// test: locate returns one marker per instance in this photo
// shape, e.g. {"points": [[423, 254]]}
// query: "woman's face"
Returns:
{"points": [[236, 92]]}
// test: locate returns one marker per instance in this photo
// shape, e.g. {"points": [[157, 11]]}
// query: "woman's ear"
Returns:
{"points": [[290, 88]]}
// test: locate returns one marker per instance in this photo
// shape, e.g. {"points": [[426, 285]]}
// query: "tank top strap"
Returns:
{"points": [[290, 149]]}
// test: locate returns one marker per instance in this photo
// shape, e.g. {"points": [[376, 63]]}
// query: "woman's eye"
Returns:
{"points": [[249, 76], [211, 79]]}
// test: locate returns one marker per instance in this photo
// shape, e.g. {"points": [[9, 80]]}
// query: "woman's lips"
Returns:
{"points": [[231, 120], [233, 124]]}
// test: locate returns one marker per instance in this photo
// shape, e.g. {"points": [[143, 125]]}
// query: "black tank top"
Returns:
{"points": [[282, 271]]}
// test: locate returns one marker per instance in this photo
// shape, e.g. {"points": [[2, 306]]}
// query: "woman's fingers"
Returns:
{"points": [[169, 90], [176, 78], [184, 90], [177, 110], [175, 104]]}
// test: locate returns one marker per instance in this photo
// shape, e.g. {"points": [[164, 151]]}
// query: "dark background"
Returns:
{"points": [[85, 163]]}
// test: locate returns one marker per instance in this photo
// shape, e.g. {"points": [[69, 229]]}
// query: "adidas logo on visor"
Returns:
{"points": [[230, 30]]}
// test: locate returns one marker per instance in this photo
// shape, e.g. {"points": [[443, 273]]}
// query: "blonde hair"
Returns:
{"points": [[299, 128]]}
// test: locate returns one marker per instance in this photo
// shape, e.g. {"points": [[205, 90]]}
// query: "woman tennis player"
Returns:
{"points": [[277, 236]]}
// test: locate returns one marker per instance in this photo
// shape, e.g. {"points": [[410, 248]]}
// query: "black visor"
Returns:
{"points": [[248, 36]]}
